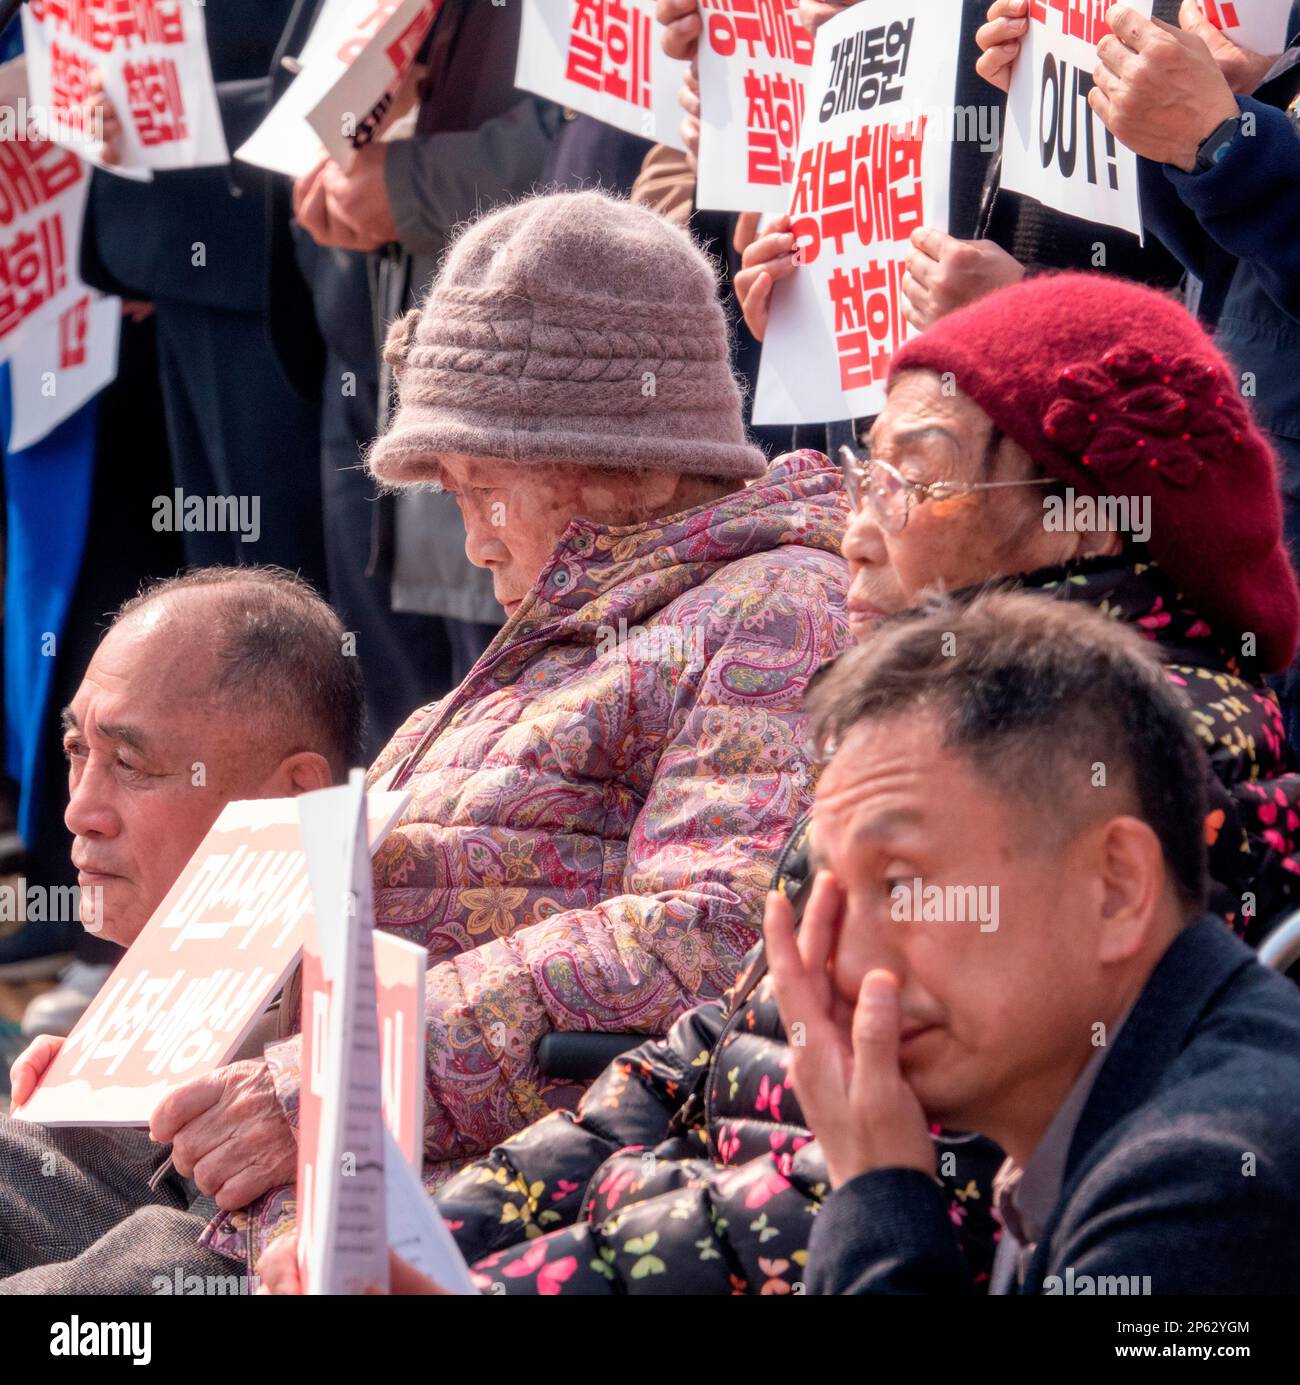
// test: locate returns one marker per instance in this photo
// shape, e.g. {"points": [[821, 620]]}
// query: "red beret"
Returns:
{"points": [[1116, 389]]}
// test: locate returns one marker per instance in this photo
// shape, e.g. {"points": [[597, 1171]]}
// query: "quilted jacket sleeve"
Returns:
{"points": [[719, 800], [536, 1181]]}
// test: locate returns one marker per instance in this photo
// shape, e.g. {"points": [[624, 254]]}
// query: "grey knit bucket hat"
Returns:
{"points": [[575, 327]]}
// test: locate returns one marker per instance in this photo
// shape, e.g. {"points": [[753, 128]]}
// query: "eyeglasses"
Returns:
{"points": [[891, 496]]}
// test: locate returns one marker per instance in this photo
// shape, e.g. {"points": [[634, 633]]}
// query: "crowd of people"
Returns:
{"points": [[835, 875]]}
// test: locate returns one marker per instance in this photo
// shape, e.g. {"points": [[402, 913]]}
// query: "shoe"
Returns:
{"points": [[37, 951], [56, 1011]]}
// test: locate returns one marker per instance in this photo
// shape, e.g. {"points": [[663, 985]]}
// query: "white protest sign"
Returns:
{"points": [[754, 57], [1056, 149], [64, 361], [43, 192], [349, 71], [359, 1189], [200, 974], [374, 58], [153, 55], [416, 1230], [602, 58], [343, 1245], [874, 161], [1264, 26]]}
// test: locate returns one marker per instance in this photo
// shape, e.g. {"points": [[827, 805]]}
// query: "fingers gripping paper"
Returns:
{"points": [[1056, 149]]}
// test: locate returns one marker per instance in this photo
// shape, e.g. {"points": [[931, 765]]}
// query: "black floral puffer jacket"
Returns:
{"points": [[688, 1169]]}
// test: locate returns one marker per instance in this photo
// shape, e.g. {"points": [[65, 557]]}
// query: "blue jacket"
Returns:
{"points": [[1204, 1072], [1235, 228]]}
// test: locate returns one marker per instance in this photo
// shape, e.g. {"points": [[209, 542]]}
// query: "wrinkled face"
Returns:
{"points": [[953, 543], [152, 760], [988, 1013], [514, 515]]}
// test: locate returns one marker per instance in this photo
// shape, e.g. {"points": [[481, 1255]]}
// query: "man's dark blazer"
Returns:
{"points": [[1184, 1168], [139, 236]]}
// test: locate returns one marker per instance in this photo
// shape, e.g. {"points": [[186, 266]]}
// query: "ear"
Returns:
{"points": [[1133, 879], [295, 774], [1099, 543]]}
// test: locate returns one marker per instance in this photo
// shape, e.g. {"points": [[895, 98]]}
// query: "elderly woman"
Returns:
{"points": [[701, 1175], [596, 811]]}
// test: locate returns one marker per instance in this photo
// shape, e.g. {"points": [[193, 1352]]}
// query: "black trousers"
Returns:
{"points": [[236, 427]]}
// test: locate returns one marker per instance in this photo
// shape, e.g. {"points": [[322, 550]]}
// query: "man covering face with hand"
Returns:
{"points": [[1121, 1047]]}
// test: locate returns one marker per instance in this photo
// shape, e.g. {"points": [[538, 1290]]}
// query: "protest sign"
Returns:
{"points": [[874, 160], [42, 202], [1264, 26], [754, 56], [399, 987], [60, 335], [1056, 149], [602, 58], [355, 59], [357, 1189], [153, 55], [201, 973], [375, 58], [63, 361]]}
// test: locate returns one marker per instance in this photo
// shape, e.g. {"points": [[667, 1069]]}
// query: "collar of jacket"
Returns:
{"points": [[598, 573], [1198, 964], [1141, 593]]}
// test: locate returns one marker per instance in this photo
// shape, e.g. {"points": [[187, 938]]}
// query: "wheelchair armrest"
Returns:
{"points": [[580, 1057]]}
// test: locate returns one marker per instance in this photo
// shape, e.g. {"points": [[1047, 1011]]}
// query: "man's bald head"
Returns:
{"points": [[225, 683], [259, 640]]}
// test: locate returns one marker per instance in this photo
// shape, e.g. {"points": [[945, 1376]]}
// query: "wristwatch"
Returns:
{"points": [[1215, 145]]}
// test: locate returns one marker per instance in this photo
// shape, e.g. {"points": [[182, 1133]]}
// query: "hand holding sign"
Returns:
{"points": [[1158, 89], [349, 210], [944, 274], [229, 1134], [769, 258], [1243, 69], [999, 41], [29, 1067], [682, 25]]}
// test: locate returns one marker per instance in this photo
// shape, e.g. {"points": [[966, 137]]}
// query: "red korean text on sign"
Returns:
{"points": [[104, 24], [772, 25], [33, 172], [1085, 19], [74, 325], [33, 268], [403, 49], [1222, 15], [70, 74], [774, 114], [610, 50], [154, 101], [868, 187], [367, 29]]}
